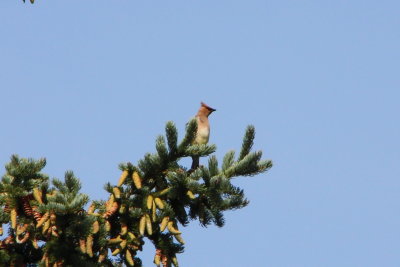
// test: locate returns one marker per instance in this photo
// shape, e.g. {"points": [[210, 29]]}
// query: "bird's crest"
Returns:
{"points": [[207, 107]]}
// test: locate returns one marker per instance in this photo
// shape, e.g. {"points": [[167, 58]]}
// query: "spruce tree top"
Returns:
{"points": [[149, 202]]}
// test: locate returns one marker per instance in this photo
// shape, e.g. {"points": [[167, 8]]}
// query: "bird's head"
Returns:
{"points": [[205, 109]]}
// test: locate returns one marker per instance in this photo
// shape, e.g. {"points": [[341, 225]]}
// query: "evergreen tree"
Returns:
{"points": [[48, 224]]}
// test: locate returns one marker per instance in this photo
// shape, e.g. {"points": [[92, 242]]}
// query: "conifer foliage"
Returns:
{"points": [[152, 201]]}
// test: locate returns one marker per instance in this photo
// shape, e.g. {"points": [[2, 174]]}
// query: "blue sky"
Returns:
{"points": [[90, 84]]}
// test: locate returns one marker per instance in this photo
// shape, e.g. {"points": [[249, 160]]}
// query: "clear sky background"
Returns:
{"points": [[89, 84]]}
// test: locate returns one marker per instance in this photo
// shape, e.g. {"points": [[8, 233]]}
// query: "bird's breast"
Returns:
{"points": [[203, 134]]}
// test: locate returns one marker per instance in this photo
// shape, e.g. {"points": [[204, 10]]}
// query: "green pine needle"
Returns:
{"points": [[172, 137], [228, 160], [190, 135], [247, 141]]}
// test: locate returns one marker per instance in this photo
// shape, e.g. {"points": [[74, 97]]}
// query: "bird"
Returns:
{"points": [[203, 130]]}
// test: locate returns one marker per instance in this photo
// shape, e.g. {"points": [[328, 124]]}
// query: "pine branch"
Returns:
{"points": [[228, 160], [162, 149], [247, 141], [172, 138], [191, 129]]}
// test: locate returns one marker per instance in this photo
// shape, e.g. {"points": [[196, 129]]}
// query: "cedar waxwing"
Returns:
{"points": [[203, 130]]}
